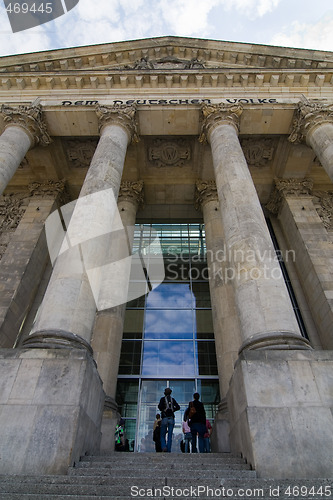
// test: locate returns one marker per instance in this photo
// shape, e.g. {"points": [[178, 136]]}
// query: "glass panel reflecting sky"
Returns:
{"points": [[168, 358], [174, 315], [169, 324], [170, 296]]}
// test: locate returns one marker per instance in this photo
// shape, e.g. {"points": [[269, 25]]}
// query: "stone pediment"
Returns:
{"points": [[168, 54]]}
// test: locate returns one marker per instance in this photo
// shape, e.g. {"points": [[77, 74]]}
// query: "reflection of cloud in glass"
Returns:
{"points": [[169, 324], [170, 296], [167, 358]]}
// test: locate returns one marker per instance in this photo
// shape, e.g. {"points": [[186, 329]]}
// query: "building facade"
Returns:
{"points": [[211, 163]]}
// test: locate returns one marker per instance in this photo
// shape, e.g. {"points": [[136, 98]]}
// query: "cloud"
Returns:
{"points": [[317, 36], [251, 8], [187, 17]]}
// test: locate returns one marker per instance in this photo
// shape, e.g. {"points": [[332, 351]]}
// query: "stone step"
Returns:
{"points": [[162, 458], [148, 456], [164, 466], [199, 474], [314, 489]]}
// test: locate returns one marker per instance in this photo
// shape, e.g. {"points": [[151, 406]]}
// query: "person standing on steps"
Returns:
{"points": [[167, 406], [197, 422]]}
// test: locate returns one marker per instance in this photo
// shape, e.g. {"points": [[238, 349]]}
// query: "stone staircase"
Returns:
{"points": [[160, 475]]}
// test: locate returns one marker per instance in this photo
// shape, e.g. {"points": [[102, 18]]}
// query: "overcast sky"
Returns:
{"points": [[290, 23]]}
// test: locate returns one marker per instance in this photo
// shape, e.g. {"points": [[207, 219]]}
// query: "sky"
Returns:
{"points": [[288, 23]]}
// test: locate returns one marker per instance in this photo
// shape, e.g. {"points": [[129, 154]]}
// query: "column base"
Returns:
{"points": [[111, 417], [56, 339], [51, 410], [220, 440], [281, 340], [280, 408]]}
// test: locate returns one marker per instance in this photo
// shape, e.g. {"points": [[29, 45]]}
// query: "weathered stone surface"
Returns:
{"points": [[280, 408], [50, 410]]}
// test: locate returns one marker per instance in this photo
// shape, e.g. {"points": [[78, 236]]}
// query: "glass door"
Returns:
{"points": [[150, 394]]}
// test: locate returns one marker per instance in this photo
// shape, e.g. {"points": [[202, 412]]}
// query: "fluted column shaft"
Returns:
{"points": [[225, 319], [67, 313], [24, 128], [265, 312], [109, 323], [314, 122]]}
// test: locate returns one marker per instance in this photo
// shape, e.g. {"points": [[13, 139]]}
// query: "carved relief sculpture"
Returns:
{"points": [[257, 152], [169, 152]]}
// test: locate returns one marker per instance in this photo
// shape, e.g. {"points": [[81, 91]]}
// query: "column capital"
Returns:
{"points": [[47, 189], [323, 201], [30, 119], [205, 191], [309, 114], [119, 114], [131, 191], [288, 187], [215, 114]]}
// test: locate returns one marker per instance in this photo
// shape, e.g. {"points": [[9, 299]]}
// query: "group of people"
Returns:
{"points": [[195, 424]]}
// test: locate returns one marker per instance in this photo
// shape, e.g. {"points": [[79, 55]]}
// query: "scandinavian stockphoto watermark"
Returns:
{"points": [[87, 237], [25, 14], [226, 265]]}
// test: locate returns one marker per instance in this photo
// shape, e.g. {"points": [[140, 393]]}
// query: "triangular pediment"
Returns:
{"points": [[168, 54]]}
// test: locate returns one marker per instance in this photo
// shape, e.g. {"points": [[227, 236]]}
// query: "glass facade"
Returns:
{"points": [[168, 334]]}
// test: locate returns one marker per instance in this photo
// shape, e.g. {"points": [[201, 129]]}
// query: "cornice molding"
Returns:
{"points": [[118, 114], [92, 79], [309, 114], [30, 119], [205, 191], [215, 114]]}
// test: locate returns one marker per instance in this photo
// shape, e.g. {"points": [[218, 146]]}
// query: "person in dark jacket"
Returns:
{"points": [[197, 423], [167, 406]]}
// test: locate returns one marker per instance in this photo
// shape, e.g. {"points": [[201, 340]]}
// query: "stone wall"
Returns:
{"points": [[280, 405], [51, 404]]}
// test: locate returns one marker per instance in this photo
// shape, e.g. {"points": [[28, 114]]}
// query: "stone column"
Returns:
{"points": [[67, 313], [305, 229], [24, 129], [225, 319], [313, 122], [24, 261], [109, 323], [266, 316]]}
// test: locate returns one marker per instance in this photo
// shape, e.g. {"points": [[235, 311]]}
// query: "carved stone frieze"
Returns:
{"points": [[120, 114], [309, 114], [287, 187], [214, 114], [168, 62], [205, 191], [131, 191], [30, 118], [80, 153], [258, 152], [169, 152], [323, 201]]}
